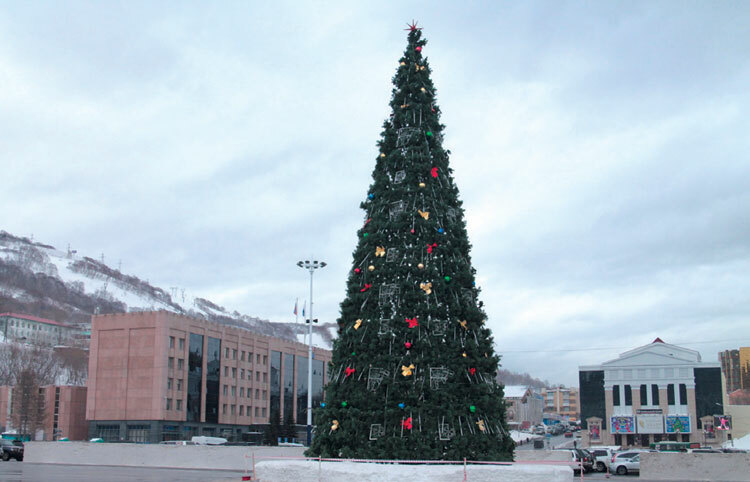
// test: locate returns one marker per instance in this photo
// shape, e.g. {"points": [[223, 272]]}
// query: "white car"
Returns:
{"points": [[625, 463], [602, 457]]}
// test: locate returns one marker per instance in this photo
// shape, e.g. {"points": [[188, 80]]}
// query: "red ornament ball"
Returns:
{"points": [[357, 270], [418, 49], [412, 231], [407, 345]]}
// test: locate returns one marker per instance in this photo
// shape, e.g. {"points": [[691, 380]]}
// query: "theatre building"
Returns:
{"points": [[653, 393], [156, 376]]}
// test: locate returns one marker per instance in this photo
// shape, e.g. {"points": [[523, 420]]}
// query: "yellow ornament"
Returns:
{"points": [[382, 154], [424, 214], [463, 324], [402, 63], [379, 251], [420, 266], [407, 371], [480, 424], [423, 89], [427, 287], [463, 354], [371, 268], [335, 425], [404, 106], [357, 324], [422, 185]]}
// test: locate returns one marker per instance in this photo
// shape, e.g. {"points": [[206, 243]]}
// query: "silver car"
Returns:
{"points": [[625, 463]]}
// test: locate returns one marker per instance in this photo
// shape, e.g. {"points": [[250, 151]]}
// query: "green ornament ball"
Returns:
{"points": [[344, 404], [365, 235], [472, 408], [354, 353], [429, 134], [447, 279]]}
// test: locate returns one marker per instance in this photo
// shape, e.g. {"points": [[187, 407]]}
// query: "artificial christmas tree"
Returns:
{"points": [[413, 368]]}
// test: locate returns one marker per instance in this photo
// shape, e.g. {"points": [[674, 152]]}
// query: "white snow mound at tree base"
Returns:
{"points": [[303, 471]]}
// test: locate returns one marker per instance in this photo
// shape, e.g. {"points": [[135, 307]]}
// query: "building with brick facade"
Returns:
{"points": [[157, 376], [560, 404], [64, 413], [652, 393]]}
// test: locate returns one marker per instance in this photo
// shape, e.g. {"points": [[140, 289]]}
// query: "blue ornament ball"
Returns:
{"points": [[322, 404], [401, 405], [371, 196], [441, 230]]}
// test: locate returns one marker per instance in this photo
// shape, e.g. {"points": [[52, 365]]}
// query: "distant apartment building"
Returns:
{"points": [[157, 376], [735, 365], [560, 404], [653, 393], [524, 406], [64, 413], [35, 330]]}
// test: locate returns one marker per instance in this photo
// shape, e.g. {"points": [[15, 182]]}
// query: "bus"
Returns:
{"points": [[668, 446]]}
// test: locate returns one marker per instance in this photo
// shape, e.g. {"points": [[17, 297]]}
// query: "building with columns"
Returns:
{"points": [[652, 393]]}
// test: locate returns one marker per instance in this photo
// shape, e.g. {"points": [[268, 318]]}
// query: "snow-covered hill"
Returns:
{"points": [[40, 280]]}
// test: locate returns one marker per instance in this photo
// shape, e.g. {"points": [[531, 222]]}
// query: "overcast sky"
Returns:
{"points": [[600, 148]]}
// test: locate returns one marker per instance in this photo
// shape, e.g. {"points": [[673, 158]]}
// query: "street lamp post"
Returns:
{"points": [[311, 267]]}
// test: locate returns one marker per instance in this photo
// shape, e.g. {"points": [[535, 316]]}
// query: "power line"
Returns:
{"points": [[564, 350]]}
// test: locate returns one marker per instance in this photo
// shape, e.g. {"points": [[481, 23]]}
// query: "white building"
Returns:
{"points": [[524, 406]]}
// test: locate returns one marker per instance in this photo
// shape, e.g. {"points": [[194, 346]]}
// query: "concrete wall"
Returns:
{"points": [[680, 466], [151, 455]]}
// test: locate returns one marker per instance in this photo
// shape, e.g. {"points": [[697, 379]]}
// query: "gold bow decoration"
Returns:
{"points": [[407, 371], [425, 214], [480, 424], [335, 425], [357, 324], [379, 251], [418, 67], [463, 325], [427, 287]]}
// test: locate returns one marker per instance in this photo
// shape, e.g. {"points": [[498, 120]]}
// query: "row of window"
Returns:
{"points": [[242, 374], [233, 351], [33, 326], [180, 363], [249, 392], [644, 395], [177, 405], [180, 342], [244, 410]]}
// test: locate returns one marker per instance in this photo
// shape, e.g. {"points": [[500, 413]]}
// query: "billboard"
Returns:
{"points": [[678, 424], [650, 423], [723, 422], [622, 425]]}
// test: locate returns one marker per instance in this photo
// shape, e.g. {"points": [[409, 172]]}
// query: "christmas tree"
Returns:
{"points": [[413, 368]]}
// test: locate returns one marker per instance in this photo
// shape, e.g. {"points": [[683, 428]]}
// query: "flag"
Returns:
{"points": [[303, 309], [295, 306]]}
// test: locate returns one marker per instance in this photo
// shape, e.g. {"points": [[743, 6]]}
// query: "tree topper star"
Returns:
{"points": [[412, 26]]}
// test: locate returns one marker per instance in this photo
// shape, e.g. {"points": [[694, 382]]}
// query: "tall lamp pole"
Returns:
{"points": [[311, 267]]}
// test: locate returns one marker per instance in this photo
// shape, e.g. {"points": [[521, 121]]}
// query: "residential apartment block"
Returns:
{"points": [[35, 330], [651, 393], [560, 404], [735, 365], [157, 376]]}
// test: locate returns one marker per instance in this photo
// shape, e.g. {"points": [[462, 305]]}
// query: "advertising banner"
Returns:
{"points": [[650, 423], [678, 424], [622, 425]]}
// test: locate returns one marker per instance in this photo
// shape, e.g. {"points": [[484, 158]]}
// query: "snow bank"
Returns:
{"points": [[304, 470], [739, 443]]}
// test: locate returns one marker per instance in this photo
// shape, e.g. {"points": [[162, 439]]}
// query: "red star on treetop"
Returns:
{"points": [[412, 26]]}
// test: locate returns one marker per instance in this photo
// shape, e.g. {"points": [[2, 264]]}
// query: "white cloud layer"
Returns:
{"points": [[601, 151]]}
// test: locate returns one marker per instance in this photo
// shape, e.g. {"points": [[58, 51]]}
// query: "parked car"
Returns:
{"points": [[538, 443], [705, 450], [12, 449], [625, 463], [602, 457], [576, 456], [568, 434]]}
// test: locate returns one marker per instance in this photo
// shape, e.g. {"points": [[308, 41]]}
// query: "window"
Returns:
{"points": [[257, 394], [234, 372], [670, 394], [169, 404], [179, 405], [257, 376], [265, 359], [265, 377], [169, 383], [683, 394], [181, 343], [224, 409], [242, 392], [257, 358], [226, 352], [257, 411], [170, 362], [265, 395], [234, 354], [242, 355], [179, 384], [644, 396], [242, 407], [226, 371], [232, 410], [616, 395], [628, 396], [226, 390], [654, 394], [180, 363], [242, 373], [234, 391], [171, 342], [264, 411]]}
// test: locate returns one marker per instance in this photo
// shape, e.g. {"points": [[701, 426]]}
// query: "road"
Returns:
{"points": [[13, 471], [556, 442]]}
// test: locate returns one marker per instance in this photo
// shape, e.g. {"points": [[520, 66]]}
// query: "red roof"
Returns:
{"points": [[35, 318], [658, 340]]}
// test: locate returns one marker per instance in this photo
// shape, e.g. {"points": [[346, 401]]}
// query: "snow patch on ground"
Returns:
{"points": [[519, 436], [311, 470], [739, 443]]}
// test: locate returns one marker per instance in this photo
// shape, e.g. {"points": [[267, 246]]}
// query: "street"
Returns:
{"points": [[13, 471]]}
